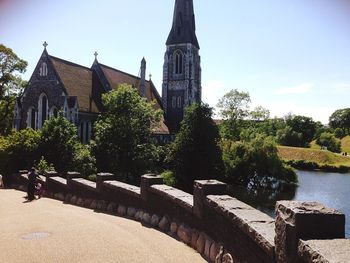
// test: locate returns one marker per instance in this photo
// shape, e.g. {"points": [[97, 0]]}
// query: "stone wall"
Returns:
{"points": [[220, 227]]}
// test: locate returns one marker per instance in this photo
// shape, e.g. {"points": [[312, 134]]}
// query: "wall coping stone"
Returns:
{"points": [[123, 187], [184, 199], [51, 174], [58, 179], [85, 182], [322, 251], [257, 225]]}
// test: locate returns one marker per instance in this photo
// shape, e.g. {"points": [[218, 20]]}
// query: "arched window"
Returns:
{"points": [[173, 102], [31, 118], [43, 112], [53, 112], [43, 70], [178, 62], [179, 102]]}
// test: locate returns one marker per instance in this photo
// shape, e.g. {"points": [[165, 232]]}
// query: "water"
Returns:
{"points": [[330, 189]]}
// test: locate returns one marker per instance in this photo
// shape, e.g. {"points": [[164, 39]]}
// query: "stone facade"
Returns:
{"points": [[181, 70]]}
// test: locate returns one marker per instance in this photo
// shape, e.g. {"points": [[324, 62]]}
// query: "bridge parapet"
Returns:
{"points": [[220, 227]]}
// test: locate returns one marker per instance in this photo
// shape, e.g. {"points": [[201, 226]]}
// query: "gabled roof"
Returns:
{"points": [[77, 80], [116, 77]]}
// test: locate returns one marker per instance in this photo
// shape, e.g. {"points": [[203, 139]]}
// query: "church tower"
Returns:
{"points": [[181, 70]]}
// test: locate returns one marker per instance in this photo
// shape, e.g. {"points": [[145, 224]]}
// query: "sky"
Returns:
{"points": [[291, 56]]}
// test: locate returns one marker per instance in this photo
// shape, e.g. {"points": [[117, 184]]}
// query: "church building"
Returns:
{"points": [[57, 84]]}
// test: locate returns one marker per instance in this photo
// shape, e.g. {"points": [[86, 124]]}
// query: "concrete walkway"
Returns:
{"points": [[47, 230]]}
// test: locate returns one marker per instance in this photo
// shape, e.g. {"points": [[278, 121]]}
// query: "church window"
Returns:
{"points": [[173, 102], [43, 70], [179, 102], [178, 62], [31, 118], [43, 110]]}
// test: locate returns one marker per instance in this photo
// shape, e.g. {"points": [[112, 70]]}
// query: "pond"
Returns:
{"points": [[330, 189]]}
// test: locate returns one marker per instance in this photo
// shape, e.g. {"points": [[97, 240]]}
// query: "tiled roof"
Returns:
{"points": [[77, 81], [116, 77]]}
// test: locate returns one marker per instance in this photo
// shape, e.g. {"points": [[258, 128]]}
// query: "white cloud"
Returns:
{"points": [[300, 89], [342, 88]]}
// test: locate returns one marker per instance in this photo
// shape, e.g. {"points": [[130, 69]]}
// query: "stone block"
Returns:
{"points": [[304, 220], [68, 198], [121, 210], [214, 251], [194, 239], [131, 211], [155, 220], [93, 204], [184, 233], [146, 218], [112, 207], [201, 243], [148, 180], [80, 201], [208, 243], [202, 188], [164, 224], [227, 258], [87, 202], [173, 228]]}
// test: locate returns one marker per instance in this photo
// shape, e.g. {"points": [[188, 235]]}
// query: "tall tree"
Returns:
{"points": [[340, 119], [234, 108], [196, 154], [123, 133], [305, 126], [11, 85]]}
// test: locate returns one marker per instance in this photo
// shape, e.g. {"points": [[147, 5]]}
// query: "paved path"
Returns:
{"points": [[66, 233]]}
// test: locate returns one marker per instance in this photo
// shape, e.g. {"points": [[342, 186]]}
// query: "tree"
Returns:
{"points": [[340, 119], [234, 108], [196, 154], [123, 133], [260, 114], [288, 137], [328, 140], [11, 85], [58, 143], [304, 126]]}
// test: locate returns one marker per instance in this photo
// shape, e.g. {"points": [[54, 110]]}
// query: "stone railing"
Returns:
{"points": [[220, 227]]}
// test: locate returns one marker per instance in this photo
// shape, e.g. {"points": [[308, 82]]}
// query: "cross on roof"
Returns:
{"points": [[45, 44], [96, 54]]}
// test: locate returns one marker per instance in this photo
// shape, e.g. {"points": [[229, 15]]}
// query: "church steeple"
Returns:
{"points": [[184, 27], [181, 70]]}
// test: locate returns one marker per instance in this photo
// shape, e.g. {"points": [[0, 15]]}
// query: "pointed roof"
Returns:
{"points": [[77, 81], [184, 27]]}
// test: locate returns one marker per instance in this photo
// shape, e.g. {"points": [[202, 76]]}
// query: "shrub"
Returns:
{"points": [[84, 162], [44, 167], [328, 140], [169, 178]]}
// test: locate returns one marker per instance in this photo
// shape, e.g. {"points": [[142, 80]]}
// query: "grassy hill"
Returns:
{"points": [[345, 144]]}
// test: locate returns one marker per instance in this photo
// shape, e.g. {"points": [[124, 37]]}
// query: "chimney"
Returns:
{"points": [[143, 78]]}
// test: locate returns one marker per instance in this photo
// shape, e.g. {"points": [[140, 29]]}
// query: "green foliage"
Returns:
{"points": [[92, 177], [341, 119], [58, 143], [289, 137], [11, 85], [195, 154], [123, 133], [234, 108], [84, 162], [304, 126], [169, 178], [339, 133], [255, 164], [328, 140], [43, 166], [18, 150]]}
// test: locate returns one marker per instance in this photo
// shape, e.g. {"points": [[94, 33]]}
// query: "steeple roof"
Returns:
{"points": [[184, 27]]}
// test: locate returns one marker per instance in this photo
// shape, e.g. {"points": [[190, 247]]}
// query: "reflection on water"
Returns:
{"points": [[330, 189]]}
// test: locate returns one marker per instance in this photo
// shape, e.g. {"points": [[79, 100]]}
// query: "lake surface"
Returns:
{"points": [[330, 189]]}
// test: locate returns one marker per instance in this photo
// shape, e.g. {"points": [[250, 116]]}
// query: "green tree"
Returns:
{"points": [[328, 140], [195, 154], [260, 114], [340, 119], [18, 150], [11, 85], [234, 108], [255, 164], [304, 126], [58, 143], [123, 133], [288, 137]]}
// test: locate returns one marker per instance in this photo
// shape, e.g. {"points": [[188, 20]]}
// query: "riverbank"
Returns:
{"points": [[314, 159]]}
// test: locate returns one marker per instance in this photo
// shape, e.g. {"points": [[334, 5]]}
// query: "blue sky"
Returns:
{"points": [[291, 56]]}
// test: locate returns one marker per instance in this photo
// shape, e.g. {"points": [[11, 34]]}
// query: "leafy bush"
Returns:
{"points": [[255, 164], [84, 162], [169, 178], [328, 140], [44, 167]]}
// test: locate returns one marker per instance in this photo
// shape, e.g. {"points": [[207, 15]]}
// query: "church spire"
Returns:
{"points": [[184, 28]]}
